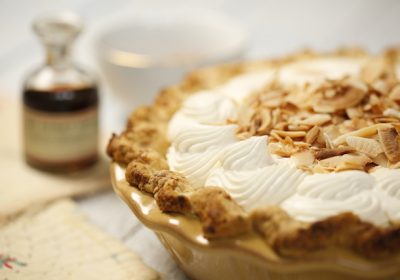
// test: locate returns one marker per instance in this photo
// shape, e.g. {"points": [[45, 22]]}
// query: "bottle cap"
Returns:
{"points": [[58, 28]]}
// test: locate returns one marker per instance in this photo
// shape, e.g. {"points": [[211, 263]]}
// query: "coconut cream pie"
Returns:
{"points": [[303, 150]]}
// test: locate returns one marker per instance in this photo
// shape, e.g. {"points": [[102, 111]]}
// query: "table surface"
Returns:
{"points": [[274, 28]]}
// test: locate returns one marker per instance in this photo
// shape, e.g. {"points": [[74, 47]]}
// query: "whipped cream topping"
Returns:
{"points": [[204, 107], [250, 174], [302, 72], [248, 154], [269, 185], [322, 195], [217, 110], [388, 186], [196, 150], [205, 149], [240, 87]]}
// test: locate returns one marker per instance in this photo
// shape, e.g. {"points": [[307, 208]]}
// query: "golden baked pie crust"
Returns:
{"points": [[142, 148]]}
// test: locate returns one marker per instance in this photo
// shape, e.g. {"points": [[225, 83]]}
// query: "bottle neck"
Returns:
{"points": [[58, 56]]}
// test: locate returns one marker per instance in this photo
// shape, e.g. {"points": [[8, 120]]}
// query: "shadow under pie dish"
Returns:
{"points": [[283, 168]]}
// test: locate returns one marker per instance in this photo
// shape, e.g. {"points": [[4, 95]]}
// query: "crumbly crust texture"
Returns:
{"points": [[143, 145]]}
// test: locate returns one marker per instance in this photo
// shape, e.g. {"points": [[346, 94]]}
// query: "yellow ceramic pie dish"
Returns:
{"points": [[241, 257]]}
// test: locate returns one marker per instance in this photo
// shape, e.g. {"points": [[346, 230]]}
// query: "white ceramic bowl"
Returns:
{"points": [[140, 55]]}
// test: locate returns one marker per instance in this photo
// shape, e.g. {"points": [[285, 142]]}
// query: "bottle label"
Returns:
{"points": [[60, 137]]}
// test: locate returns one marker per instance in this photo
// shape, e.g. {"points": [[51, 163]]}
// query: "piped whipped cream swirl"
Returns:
{"points": [[322, 195], [217, 109], [204, 107], [205, 149], [252, 176], [388, 186], [197, 150]]}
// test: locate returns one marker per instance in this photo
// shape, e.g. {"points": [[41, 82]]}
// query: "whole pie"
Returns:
{"points": [[303, 150]]}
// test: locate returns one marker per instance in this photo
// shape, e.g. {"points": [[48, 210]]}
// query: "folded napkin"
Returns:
{"points": [[22, 186], [57, 242]]}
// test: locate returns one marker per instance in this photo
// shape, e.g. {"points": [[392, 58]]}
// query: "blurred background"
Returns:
{"points": [[137, 47], [270, 28]]}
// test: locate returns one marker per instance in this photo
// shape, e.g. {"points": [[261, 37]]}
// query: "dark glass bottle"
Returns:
{"points": [[60, 102]]}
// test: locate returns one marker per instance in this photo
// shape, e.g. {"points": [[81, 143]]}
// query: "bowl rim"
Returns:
{"points": [[136, 59], [144, 207]]}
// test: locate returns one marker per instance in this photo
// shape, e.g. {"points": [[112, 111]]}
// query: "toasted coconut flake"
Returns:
{"points": [[301, 144], [390, 112], [348, 94], [397, 127], [291, 134], [377, 68], [374, 100], [394, 165], [356, 83], [367, 107], [388, 120], [243, 135], [261, 122], [380, 86], [354, 112], [345, 162], [312, 134], [318, 168], [354, 124], [395, 93], [370, 147], [320, 141], [275, 136], [388, 138], [282, 149], [381, 160], [328, 142], [316, 119], [298, 127], [327, 153], [303, 159], [273, 102], [276, 116], [281, 126], [362, 132], [332, 131]]}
